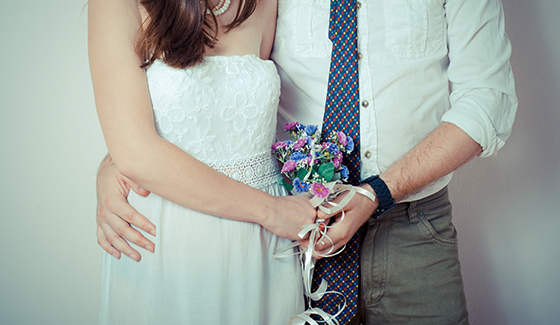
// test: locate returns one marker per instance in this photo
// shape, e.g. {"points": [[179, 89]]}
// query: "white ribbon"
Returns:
{"points": [[318, 231]]}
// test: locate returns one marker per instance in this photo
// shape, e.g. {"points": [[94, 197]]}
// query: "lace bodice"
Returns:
{"points": [[221, 111], [223, 108]]}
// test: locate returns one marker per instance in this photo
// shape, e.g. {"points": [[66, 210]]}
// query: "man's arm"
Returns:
{"points": [[115, 216], [483, 106], [441, 152]]}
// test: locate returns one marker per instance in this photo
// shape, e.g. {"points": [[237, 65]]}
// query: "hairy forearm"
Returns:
{"points": [[441, 152]]}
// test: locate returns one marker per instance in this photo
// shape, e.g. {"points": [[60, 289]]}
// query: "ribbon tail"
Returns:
{"points": [[278, 253]]}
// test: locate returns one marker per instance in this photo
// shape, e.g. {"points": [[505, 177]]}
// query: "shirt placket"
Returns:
{"points": [[368, 133]]}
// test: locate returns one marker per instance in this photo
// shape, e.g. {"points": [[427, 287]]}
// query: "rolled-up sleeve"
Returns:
{"points": [[483, 100]]}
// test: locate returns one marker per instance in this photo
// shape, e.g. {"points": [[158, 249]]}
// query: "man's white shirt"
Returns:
{"points": [[421, 62]]}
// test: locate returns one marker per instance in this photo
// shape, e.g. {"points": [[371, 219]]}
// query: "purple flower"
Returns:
{"points": [[297, 156], [300, 143], [310, 129], [288, 166], [337, 161], [342, 138], [300, 186], [344, 171], [291, 126], [320, 190], [350, 145], [279, 144]]}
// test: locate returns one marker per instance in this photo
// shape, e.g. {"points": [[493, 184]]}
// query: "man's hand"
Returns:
{"points": [[115, 215], [357, 212]]}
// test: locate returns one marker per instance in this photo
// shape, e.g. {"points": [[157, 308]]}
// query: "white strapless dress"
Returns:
{"points": [[206, 269]]}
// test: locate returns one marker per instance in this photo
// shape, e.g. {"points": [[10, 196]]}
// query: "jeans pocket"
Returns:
{"points": [[303, 28], [437, 224], [414, 28]]}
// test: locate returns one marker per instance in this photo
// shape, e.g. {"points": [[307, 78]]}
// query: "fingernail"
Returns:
{"points": [[150, 248], [153, 232], [134, 257], [116, 255]]}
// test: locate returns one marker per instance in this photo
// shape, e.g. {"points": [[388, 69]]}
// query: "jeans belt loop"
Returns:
{"points": [[412, 213]]}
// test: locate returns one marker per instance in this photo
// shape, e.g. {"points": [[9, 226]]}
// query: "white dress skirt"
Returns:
{"points": [[206, 269]]}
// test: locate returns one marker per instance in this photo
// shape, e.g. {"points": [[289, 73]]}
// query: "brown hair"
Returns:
{"points": [[178, 31]]}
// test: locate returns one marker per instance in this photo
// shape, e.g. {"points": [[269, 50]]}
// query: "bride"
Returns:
{"points": [[187, 99]]}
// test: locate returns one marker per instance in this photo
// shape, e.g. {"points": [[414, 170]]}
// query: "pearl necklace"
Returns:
{"points": [[220, 8]]}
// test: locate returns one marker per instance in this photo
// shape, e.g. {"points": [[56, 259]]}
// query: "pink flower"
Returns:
{"points": [[288, 166], [279, 144], [305, 161], [337, 161], [320, 190], [300, 143], [290, 126], [342, 138]]}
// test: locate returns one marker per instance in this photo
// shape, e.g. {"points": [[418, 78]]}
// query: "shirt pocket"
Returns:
{"points": [[303, 28], [414, 28]]}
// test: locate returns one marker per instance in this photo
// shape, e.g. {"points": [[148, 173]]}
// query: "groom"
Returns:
{"points": [[436, 90]]}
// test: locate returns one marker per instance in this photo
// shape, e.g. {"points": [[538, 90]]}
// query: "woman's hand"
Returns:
{"points": [[115, 215], [289, 215]]}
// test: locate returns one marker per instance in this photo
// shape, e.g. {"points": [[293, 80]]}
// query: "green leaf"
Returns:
{"points": [[316, 168], [301, 173], [327, 171], [289, 187], [336, 177]]}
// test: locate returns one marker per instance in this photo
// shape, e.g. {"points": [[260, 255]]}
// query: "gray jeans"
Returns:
{"points": [[410, 271]]}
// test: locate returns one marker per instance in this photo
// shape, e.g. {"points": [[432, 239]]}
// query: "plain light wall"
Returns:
{"points": [[506, 208]]}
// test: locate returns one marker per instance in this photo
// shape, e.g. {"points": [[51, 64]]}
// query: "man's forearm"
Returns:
{"points": [[444, 150]]}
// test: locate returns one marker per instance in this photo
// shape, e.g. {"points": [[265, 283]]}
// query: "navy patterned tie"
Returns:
{"points": [[342, 114]]}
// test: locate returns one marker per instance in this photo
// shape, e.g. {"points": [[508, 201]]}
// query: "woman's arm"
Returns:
{"points": [[126, 117]]}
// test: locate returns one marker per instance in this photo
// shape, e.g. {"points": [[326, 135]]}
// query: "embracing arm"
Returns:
{"points": [[126, 117]]}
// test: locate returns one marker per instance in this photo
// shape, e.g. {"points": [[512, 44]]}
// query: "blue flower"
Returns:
{"points": [[350, 145], [300, 186], [344, 171], [297, 156], [309, 141], [310, 129], [333, 149]]}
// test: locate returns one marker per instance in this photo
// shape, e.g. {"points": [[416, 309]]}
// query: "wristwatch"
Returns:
{"points": [[386, 201]]}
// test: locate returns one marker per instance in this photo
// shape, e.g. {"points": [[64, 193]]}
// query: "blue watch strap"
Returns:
{"points": [[386, 200]]}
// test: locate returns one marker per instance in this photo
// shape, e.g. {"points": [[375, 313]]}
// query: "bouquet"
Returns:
{"points": [[312, 166], [310, 163]]}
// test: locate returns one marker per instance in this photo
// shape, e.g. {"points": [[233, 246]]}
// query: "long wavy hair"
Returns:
{"points": [[180, 31]]}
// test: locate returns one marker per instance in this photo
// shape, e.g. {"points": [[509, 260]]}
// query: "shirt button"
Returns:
{"points": [[360, 55], [365, 104], [368, 154], [358, 5]]}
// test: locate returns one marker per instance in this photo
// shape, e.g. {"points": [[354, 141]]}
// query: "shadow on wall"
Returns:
{"points": [[506, 208]]}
